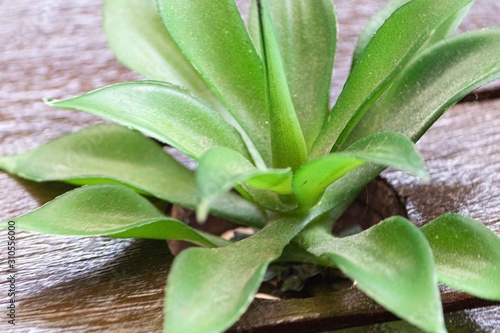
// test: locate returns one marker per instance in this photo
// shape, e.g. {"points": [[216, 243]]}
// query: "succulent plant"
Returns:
{"points": [[250, 105]]}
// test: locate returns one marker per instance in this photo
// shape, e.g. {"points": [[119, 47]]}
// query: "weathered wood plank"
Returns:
{"points": [[333, 311], [55, 48]]}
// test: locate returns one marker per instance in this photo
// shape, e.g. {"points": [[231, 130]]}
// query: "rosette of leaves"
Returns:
{"points": [[250, 106]]}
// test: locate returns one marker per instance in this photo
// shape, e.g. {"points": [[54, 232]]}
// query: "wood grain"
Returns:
{"points": [[55, 48]]}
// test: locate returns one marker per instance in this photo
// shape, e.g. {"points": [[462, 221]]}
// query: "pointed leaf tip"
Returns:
{"points": [[287, 140], [392, 263], [109, 210], [467, 255], [385, 149]]}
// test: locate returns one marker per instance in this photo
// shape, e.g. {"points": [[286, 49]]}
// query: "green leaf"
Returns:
{"points": [[108, 210], [162, 111], [224, 55], [136, 34], [372, 26], [392, 263], [276, 180], [467, 255], [449, 27], [439, 78], [253, 23], [287, 141], [390, 149], [392, 47], [311, 180], [109, 153], [413, 98], [307, 34], [221, 169], [386, 149], [376, 21], [222, 282]]}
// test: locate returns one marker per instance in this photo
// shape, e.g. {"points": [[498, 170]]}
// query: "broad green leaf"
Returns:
{"points": [[213, 38], [109, 153], [390, 149], [311, 180], [307, 34], [276, 180], [449, 27], [467, 255], [287, 141], [109, 210], [222, 282], [221, 169], [392, 263], [414, 100], [136, 34], [162, 111], [376, 21], [431, 84], [393, 46], [373, 25], [385, 149]]}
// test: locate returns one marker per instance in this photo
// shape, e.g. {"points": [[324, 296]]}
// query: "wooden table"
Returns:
{"points": [[55, 48]]}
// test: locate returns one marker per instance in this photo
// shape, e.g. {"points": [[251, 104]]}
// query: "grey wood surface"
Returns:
{"points": [[55, 48]]}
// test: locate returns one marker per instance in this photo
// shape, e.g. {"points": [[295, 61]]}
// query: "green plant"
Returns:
{"points": [[253, 112]]}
